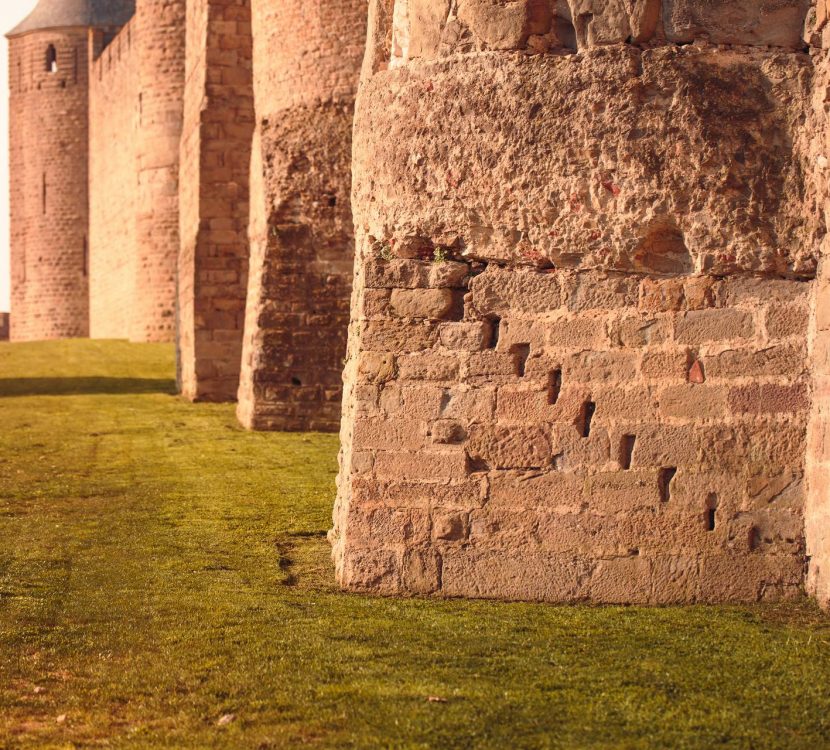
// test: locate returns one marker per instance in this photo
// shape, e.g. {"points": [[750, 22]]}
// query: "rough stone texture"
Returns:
{"points": [[301, 235], [214, 197], [431, 29], [612, 405], [5, 324], [818, 453], [49, 132]]}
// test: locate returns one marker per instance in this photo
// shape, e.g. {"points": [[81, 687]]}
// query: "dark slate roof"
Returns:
{"points": [[51, 14]]}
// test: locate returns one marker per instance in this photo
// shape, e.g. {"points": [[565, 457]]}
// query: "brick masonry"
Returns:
{"points": [[578, 359], [214, 197], [302, 246]]}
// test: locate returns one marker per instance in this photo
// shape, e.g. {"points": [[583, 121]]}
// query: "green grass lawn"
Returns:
{"points": [[161, 569]]}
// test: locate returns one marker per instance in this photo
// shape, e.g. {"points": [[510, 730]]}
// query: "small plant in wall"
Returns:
{"points": [[383, 250], [440, 255]]}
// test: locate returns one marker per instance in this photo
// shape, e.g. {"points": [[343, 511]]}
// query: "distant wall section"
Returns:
{"points": [[307, 58], [113, 168], [49, 184], [136, 103], [214, 173]]}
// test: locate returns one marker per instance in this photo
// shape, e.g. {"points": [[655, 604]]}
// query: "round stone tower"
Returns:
{"points": [[49, 123], [161, 29]]}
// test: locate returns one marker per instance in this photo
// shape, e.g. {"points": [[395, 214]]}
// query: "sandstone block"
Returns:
{"points": [[471, 337], [693, 402], [787, 320], [429, 304], [428, 366], [501, 447], [639, 331], [768, 399], [378, 433], [577, 333], [424, 466], [623, 580], [704, 326], [376, 367], [775, 23], [551, 491], [665, 364], [501, 292]]}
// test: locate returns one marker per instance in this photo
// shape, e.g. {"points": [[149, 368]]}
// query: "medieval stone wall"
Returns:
{"points": [[136, 100], [113, 169], [818, 452], [161, 31], [307, 58], [48, 163], [214, 197], [577, 360]]}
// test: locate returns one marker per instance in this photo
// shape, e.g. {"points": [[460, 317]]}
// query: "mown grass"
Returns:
{"points": [[161, 569]]}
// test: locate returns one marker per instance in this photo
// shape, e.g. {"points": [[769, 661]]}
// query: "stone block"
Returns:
{"points": [[471, 337], [424, 466], [693, 402], [429, 304], [768, 399], [379, 433], [502, 292], [705, 326], [503, 447], [577, 333], [428, 365]]}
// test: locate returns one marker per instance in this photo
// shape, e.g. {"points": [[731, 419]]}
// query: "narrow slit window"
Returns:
{"points": [[86, 258], [521, 352], [43, 192], [711, 512], [586, 417], [627, 451], [51, 59], [664, 481], [495, 332], [554, 386]]}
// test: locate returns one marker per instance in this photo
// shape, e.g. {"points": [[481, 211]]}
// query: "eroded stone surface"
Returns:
{"points": [[620, 413], [529, 160]]}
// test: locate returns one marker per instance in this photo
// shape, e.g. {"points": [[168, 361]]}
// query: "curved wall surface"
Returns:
{"points": [[307, 58], [578, 360], [49, 197]]}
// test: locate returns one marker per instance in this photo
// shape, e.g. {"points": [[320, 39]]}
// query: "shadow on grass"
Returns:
{"points": [[93, 386]]}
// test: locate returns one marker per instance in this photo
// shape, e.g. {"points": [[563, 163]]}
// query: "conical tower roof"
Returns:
{"points": [[51, 14]]}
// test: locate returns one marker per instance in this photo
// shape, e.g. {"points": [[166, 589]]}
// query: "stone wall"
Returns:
{"points": [[214, 197], [49, 179], [136, 100], [113, 168], [5, 326], [160, 26], [818, 453], [307, 58], [578, 362]]}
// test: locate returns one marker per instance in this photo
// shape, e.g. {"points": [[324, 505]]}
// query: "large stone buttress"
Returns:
{"points": [[578, 365], [307, 58]]}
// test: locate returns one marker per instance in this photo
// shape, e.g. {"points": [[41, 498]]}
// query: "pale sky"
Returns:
{"points": [[11, 12]]}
